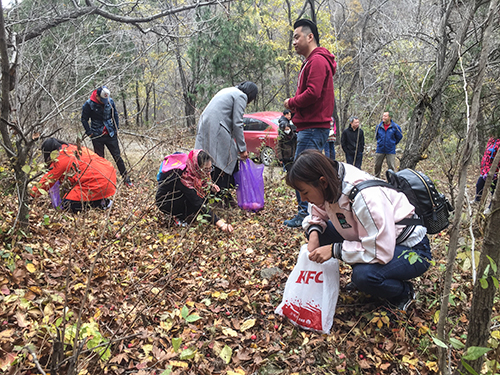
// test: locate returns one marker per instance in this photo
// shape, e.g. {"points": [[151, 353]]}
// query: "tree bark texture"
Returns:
{"points": [[455, 230], [478, 331], [421, 132]]}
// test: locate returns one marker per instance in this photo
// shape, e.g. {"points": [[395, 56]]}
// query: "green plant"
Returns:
{"points": [[483, 280]]}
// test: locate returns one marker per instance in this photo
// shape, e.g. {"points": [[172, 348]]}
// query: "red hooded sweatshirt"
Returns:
{"points": [[313, 102]]}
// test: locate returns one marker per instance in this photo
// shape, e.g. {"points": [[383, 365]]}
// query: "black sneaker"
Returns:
{"points": [[405, 302], [351, 287]]}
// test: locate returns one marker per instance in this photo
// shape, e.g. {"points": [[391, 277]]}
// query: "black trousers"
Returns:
{"points": [[79, 206], [224, 180], [114, 148]]}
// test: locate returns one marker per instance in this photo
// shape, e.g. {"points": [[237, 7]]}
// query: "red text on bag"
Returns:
{"points": [[305, 276]]}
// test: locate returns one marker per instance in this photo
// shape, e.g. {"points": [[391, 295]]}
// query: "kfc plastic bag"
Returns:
{"points": [[311, 293], [250, 186]]}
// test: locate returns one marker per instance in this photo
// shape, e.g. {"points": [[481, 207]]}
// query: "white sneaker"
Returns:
{"points": [[487, 211]]}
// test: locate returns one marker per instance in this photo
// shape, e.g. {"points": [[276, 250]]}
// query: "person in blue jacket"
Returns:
{"points": [[103, 129], [388, 135]]}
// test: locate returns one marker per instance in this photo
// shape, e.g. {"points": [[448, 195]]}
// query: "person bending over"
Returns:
{"points": [[92, 179], [182, 191]]}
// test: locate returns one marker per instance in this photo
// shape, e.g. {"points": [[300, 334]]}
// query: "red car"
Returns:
{"points": [[261, 135]]}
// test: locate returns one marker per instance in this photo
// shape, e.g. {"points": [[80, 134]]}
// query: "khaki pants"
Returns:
{"points": [[379, 160]]}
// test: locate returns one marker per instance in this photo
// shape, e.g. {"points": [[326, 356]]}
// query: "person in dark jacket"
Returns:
{"points": [[314, 99], [388, 135], [287, 144], [284, 120], [353, 143], [182, 191], [103, 129]]}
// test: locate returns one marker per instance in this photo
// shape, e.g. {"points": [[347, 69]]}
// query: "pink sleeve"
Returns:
{"points": [[317, 216]]}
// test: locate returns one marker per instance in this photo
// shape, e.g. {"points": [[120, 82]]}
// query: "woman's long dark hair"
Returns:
{"points": [[309, 167], [250, 89], [204, 157], [49, 145]]}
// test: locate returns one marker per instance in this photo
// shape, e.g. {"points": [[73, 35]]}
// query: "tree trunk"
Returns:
{"points": [[146, 105], [478, 331], [17, 159], [455, 230], [124, 104], [138, 117], [187, 94], [420, 136]]}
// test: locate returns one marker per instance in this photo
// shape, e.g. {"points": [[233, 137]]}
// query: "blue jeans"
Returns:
{"points": [[349, 158], [385, 280], [309, 139], [330, 150]]}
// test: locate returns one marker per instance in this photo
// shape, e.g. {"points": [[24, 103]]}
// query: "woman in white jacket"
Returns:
{"points": [[363, 233]]}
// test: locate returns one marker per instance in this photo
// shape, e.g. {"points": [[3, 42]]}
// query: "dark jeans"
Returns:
{"points": [[79, 206], [309, 139], [330, 150], [114, 148], [385, 280], [480, 187], [349, 158]]}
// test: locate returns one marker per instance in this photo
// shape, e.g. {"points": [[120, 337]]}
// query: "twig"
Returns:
{"points": [[473, 238], [35, 359]]}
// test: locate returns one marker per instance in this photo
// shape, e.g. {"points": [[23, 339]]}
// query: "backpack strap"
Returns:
{"points": [[366, 184], [409, 222]]}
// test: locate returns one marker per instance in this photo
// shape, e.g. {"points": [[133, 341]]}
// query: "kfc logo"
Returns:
{"points": [[305, 276]]}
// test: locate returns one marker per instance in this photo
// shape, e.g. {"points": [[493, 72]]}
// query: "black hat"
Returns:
{"points": [[250, 89], [49, 145], [310, 24]]}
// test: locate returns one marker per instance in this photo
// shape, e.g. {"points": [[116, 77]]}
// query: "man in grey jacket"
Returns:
{"points": [[220, 133]]}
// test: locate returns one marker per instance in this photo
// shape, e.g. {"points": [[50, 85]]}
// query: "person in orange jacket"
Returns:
{"points": [[92, 178]]}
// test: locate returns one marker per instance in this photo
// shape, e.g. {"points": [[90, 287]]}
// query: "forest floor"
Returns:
{"points": [[153, 299]]}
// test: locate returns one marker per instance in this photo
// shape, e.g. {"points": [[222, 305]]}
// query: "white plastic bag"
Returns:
{"points": [[311, 293]]}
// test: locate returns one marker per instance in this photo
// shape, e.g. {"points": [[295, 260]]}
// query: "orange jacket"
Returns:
{"points": [[91, 177]]}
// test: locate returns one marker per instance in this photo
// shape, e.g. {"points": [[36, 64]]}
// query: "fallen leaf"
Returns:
{"points": [[247, 325], [178, 364], [21, 320], [6, 335], [230, 332], [226, 354], [7, 361], [30, 267]]}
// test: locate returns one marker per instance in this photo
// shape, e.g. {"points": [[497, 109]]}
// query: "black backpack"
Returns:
{"points": [[431, 206]]}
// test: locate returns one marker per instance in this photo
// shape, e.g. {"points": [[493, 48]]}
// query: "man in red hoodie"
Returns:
{"points": [[314, 99]]}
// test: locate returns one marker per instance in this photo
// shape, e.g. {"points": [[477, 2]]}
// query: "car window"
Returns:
{"points": [[254, 124]]}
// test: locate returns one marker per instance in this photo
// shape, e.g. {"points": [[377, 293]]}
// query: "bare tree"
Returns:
{"points": [[424, 123], [31, 107], [478, 331], [467, 153]]}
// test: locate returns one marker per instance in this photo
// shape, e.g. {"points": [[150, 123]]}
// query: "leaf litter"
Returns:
{"points": [[151, 299]]}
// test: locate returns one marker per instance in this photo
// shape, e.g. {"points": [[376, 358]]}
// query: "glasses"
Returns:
{"points": [[208, 169]]}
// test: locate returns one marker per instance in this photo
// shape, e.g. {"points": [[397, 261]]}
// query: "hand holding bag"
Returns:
{"points": [[311, 293], [250, 185]]}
